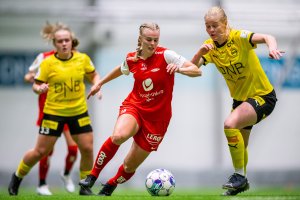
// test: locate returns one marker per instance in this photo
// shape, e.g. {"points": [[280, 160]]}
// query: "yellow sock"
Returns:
{"points": [[83, 174], [22, 169], [237, 148], [245, 161]]}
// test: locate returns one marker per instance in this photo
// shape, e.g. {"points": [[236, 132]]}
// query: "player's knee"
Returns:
{"points": [[118, 139], [39, 153], [228, 124], [86, 149]]}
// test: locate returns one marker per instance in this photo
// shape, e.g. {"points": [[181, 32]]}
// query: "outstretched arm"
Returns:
{"points": [[93, 77], [188, 69], [177, 63], [271, 42], [115, 73]]}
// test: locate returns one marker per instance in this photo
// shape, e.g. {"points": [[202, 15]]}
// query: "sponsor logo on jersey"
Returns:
{"points": [[144, 66], [84, 121], [244, 33], [149, 96], [49, 124], [147, 84], [123, 110], [259, 101], [214, 55], [101, 158], [121, 179], [233, 145], [233, 71], [154, 139], [155, 69], [257, 104], [159, 52], [233, 139]]}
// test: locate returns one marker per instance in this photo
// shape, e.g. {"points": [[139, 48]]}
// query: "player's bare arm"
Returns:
{"points": [[204, 49], [274, 53], [116, 72], [189, 69]]}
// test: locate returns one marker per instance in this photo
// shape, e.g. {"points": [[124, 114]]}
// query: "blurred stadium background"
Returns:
{"points": [[194, 148]]}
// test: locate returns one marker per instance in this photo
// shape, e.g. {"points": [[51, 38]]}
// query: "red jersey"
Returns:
{"points": [[153, 86], [42, 97], [150, 99]]}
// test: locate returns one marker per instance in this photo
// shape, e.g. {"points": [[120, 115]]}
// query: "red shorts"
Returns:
{"points": [[150, 134]]}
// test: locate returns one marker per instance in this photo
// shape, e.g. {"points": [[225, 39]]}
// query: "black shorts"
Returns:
{"points": [[263, 105], [53, 125]]}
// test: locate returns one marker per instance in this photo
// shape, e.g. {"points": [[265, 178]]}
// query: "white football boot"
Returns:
{"points": [[43, 190], [69, 185]]}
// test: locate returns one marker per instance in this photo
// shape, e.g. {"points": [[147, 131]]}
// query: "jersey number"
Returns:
{"points": [[44, 130]]}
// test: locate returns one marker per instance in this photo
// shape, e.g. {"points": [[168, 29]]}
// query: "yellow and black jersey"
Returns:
{"points": [[237, 61], [66, 94]]}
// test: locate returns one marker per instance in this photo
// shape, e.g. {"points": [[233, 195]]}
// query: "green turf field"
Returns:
{"points": [[130, 194]]}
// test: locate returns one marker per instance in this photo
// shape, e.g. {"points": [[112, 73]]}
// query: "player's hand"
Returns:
{"points": [[99, 95], [94, 90], [205, 48], [172, 68], [43, 88], [29, 77], [275, 54]]}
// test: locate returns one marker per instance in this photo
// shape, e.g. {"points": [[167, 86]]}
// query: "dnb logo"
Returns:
{"points": [[148, 84]]}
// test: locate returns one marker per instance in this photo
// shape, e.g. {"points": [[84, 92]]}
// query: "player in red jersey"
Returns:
{"points": [[146, 112], [44, 163]]}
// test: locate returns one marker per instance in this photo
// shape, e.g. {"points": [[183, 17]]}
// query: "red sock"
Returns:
{"points": [[70, 158], [120, 177], [44, 167], [105, 154]]}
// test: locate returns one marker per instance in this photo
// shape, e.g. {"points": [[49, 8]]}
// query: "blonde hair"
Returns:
{"points": [[219, 12], [149, 25], [49, 30]]}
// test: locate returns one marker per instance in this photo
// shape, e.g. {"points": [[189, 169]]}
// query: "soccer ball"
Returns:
{"points": [[160, 182]]}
